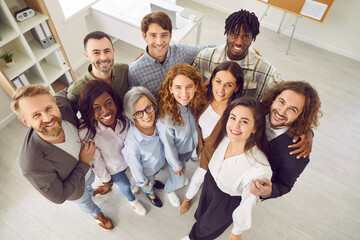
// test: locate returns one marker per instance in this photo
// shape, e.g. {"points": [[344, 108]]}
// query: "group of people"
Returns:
{"points": [[252, 131]]}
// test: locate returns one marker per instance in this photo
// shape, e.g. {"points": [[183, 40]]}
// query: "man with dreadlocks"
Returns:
{"points": [[241, 28]]}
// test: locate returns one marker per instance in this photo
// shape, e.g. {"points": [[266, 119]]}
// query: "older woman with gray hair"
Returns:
{"points": [[143, 151]]}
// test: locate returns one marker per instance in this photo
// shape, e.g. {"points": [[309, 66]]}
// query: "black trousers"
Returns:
{"points": [[214, 213]]}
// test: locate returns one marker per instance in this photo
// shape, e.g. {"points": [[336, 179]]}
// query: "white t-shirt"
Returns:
{"points": [[207, 121], [72, 144]]}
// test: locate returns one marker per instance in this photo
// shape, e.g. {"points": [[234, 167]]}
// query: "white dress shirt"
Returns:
{"points": [[234, 176], [108, 159]]}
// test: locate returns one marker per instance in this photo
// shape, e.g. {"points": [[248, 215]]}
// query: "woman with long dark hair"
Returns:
{"points": [[226, 84], [240, 158]]}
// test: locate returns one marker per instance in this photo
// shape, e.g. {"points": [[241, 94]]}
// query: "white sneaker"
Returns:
{"points": [[135, 189], [185, 238], [138, 207], [173, 198], [186, 181]]}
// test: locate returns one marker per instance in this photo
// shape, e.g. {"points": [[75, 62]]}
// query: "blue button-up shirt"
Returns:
{"points": [[149, 73], [144, 154], [178, 139]]}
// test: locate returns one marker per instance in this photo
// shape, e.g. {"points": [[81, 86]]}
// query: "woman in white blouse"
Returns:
{"points": [[103, 123], [240, 158], [226, 84]]}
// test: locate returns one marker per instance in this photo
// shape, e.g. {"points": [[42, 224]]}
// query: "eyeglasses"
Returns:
{"points": [[139, 114]]}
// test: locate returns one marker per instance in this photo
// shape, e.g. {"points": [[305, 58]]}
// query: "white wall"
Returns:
{"points": [[339, 32], [71, 33]]}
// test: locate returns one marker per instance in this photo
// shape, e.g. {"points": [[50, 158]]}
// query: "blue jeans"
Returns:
{"points": [[149, 190], [85, 202], [123, 183], [175, 181]]}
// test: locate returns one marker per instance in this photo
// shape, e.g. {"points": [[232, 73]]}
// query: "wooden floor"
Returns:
{"points": [[324, 204]]}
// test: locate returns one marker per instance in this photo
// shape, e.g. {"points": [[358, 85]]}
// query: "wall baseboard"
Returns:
{"points": [[288, 33], [7, 120]]}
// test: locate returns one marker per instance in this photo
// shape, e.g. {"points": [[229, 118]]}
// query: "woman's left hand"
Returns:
{"points": [[180, 172], [235, 237]]}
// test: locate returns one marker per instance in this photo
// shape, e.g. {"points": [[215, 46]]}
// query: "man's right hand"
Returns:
{"points": [[263, 189], [87, 152]]}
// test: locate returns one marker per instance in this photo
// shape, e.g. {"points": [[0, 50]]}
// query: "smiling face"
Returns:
{"points": [[100, 53], [286, 108], [223, 86], [183, 89], [238, 44], [104, 108], [240, 125], [42, 114], [158, 41], [147, 122]]}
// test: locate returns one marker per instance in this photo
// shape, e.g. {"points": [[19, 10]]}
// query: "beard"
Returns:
{"points": [[98, 66], [53, 132], [284, 124]]}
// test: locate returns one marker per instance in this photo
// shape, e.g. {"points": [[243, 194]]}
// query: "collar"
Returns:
{"points": [[139, 136], [112, 72], [272, 133], [101, 127]]}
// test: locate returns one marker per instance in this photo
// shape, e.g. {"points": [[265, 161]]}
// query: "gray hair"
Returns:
{"points": [[132, 96]]}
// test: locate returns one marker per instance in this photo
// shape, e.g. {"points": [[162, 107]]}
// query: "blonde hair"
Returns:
{"points": [[167, 102], [27, 91]]}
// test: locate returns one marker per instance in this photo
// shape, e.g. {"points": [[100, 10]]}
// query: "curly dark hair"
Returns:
{"points": [[235, 69], [258, 138], [245, 19], [308, 119], [167, 102], [89, 93]]}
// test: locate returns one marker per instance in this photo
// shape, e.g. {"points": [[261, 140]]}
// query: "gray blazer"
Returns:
{"points": [[57, 175]]}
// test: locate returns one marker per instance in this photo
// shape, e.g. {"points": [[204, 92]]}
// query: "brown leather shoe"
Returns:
{"points": [[184, 206], [104, 222], [101, 190]]}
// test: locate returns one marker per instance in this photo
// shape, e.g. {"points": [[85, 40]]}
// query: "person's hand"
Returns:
{"points": [[235, 237], [109, 183], [304, 146], [180, 172], [146, 185], [259, 189], [87, 152], [138, 56], [257, 52]]}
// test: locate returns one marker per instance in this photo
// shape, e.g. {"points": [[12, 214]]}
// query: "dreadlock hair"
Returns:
{"points": [[245, 19]]}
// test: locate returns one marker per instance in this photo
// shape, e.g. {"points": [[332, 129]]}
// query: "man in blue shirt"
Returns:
{"points": [[150, 69]]}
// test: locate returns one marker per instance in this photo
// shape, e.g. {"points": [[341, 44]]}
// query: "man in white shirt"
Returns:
{"points": [[53, 159]]}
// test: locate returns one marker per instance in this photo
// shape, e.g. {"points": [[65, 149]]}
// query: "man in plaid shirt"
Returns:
{"points": [[150, 69], [241, 28]]}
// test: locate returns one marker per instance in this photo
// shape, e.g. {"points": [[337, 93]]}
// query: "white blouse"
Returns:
{"points": [[234, 176], [207, 121]]}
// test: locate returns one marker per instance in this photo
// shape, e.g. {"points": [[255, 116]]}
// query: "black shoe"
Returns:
{"points": [[156, 202], [158, 185]]}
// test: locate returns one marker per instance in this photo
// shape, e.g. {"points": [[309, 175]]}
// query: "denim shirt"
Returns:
{"points": [[178, 139], [144, 154]]}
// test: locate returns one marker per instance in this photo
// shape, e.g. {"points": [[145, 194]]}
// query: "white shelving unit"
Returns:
{"points": [[29, 56]]}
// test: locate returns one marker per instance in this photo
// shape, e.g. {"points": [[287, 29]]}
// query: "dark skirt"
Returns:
{"points": [[214, 213]]}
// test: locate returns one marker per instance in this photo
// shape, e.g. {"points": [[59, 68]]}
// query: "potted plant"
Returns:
{"points": [[8, 58]]}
